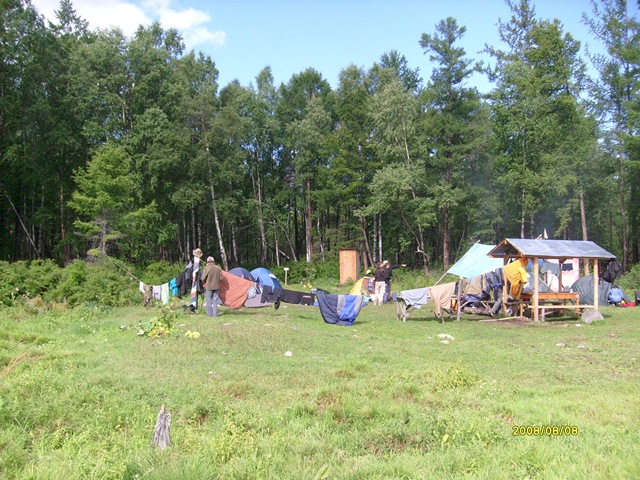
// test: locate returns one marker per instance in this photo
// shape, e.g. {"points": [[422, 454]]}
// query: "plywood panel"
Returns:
{"points": [[349, 266]]}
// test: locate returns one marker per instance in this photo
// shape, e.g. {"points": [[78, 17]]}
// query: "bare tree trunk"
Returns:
{"points": [[185, 230], [308, 224], [19, 219], [223, 253], [66, 256], [367, 249], [522, 217], [380, 237], [446, 240], [375, 239], [275, 244], [321, 237], [234, 245], [193, 229], [623, 216], [257, 189]]}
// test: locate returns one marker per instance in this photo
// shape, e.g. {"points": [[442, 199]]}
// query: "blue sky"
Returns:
{"points": [[244, 36]]}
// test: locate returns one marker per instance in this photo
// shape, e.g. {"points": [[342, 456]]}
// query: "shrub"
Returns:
{"points": [[25, 280], [630, 281], [158, 273], [80, 282]]}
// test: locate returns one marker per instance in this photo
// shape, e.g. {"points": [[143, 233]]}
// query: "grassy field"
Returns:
{"points": [[81, 390]]}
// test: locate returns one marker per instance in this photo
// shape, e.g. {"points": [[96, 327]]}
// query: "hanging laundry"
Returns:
{"points": [[164, 293], [193, 303], [441, 295], [339, 309], [173, 287], [234, 291], [416, 297], [516, 273]]}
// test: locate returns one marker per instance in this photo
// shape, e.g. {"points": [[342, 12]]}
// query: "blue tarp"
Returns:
{"points": [[476, 262]]}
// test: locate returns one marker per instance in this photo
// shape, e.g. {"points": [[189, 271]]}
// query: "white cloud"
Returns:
{"points": [[129, 15], [199, 36], [100, 14]]}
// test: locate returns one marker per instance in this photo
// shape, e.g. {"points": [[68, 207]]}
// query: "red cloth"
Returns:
{"points": [[233, 290]]}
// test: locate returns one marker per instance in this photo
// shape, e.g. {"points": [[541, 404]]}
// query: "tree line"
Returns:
{"points": [[129, 147]]}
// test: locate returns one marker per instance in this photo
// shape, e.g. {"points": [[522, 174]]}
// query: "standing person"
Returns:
{"points": [[195, 267], [380, 277], [211, 278], [389, 270]]}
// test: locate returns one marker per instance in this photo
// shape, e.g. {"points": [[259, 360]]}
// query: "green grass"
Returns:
{"points": [[80, 393]]}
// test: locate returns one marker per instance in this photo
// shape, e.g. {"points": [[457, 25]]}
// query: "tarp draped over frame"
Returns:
{"points": [[476, 262]]}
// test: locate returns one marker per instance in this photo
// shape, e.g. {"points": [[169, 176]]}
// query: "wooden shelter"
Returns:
{"points": [[535, 250]]}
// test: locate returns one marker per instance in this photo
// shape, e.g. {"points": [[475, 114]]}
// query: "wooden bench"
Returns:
{"points": [[554, 298]]}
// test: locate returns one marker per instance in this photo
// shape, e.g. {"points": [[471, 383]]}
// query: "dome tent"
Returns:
{"points": [[264, 277]]}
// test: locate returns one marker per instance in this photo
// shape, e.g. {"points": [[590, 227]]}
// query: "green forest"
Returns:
{"points": [[128, 146]]}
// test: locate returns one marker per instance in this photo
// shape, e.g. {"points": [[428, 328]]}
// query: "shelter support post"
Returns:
{"points": [[536, 289], [596, 274], [458, 300], [505, 295]]}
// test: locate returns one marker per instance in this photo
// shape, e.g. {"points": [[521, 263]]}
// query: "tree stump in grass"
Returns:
{"points": [[161, 436]]}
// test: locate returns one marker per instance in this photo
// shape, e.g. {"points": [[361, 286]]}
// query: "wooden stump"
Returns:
{"points": [[161, 436]]}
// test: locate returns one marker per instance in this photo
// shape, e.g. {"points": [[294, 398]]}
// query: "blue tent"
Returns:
{"points": [[265, 277], [242, 273]]}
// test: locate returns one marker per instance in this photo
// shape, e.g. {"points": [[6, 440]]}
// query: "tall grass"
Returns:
{"points": [[80, 392]]}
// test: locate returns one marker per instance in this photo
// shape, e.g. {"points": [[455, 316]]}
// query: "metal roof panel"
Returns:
{"points": [[513, 247]]}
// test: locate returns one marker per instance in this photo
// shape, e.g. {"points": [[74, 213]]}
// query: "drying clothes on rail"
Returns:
{"points": [[307, 299], [164, 293], [173, 288], [407, 300], [183, 282], [550, 267], [271, 295], [297, 298], [340, 309], [441, 295], [157, 292], [416, 297], [193, 302], [517, 275]]}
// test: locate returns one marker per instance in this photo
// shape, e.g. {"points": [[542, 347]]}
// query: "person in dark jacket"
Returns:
{"points": [[387, 293], [210, 279], [381, 277]]}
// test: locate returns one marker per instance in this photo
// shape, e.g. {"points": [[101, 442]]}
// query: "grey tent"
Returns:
{"points": [[584, 286]]}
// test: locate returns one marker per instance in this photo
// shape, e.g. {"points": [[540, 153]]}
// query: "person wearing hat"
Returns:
{"points": [[210, 279]]}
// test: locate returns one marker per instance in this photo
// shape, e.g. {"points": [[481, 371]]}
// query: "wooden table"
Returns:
{"points": [[544, 297]]}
